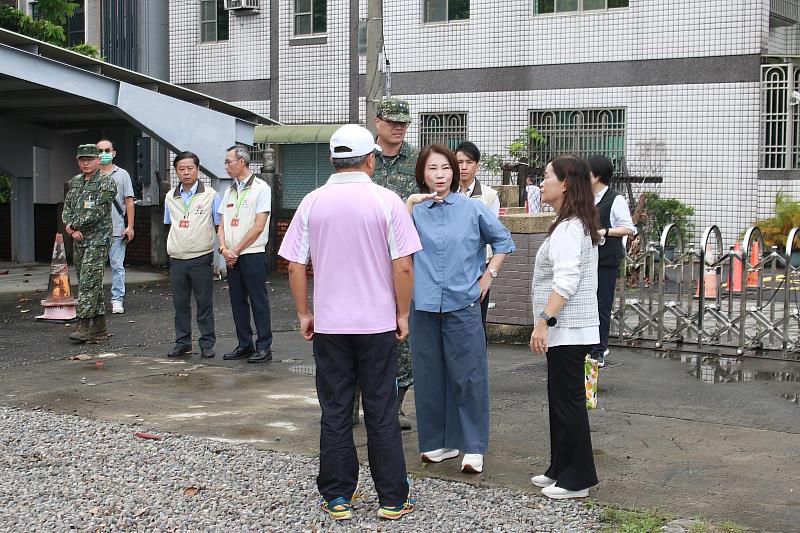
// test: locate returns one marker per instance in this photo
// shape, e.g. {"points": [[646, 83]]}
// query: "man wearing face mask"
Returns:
{"points": [[122, 214]]}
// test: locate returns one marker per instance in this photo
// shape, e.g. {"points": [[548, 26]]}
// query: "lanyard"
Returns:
{"points": [[239, 199], [187, 208]]}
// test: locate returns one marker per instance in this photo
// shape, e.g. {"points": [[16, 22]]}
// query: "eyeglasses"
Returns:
{"points": [[105, 150], [230, 162]]}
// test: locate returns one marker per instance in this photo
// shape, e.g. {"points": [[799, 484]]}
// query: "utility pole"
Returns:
{"points": [[374, 48]]}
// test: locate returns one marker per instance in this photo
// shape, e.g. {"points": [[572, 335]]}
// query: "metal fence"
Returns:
{"points": [[745, 298]]}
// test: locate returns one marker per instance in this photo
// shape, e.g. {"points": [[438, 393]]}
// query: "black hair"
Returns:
{"points": [[422, 160], [186, 155], [470, 149], [602, 167]]}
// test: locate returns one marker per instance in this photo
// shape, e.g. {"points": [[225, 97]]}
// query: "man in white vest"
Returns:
{"points": [[191, 212], [243, 233]]}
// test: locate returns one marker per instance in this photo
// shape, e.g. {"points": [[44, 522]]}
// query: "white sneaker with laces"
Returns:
{"points": [[542, 481], [437, 456], [557, 493], [116, 307], [472, 463]]}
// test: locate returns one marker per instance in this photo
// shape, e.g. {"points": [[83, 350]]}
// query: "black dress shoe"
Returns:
{"points": [[180, 350], [238, 353], [261, 356], [207, 353]]}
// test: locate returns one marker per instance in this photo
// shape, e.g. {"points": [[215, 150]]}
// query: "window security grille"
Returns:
{"points": [[780, 117], [449, 129], [583, 132]]}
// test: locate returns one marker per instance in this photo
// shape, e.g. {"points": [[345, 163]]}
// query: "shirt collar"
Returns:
{"points": [[451, 198], [349, 177], [245, 183], [198, 187], [599, 195]]}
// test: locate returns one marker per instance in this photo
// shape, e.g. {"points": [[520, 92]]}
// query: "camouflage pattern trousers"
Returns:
{"points": [[90, 261], [405, 376]]}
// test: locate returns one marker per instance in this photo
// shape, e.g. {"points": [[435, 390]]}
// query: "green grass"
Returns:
{"points": [[622, 521], [730, 527]]}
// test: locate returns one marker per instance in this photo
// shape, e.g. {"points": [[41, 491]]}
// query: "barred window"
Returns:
{"points": [[780, 117], [446, 10], [213, 21], [449, 129], [584, 132], [565, 6], [310, 17]]}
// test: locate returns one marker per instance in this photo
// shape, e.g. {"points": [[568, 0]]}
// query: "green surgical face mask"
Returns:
{"points": [[106, 158]]}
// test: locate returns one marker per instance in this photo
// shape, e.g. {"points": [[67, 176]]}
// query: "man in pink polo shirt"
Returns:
{"points": [[361, 238]]}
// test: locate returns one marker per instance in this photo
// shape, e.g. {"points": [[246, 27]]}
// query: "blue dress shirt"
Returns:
{"points": [[186, 196], [454, 235]]}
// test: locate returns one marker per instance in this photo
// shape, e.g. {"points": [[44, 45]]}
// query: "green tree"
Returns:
{"points": [[50, 28], [56, 11]]}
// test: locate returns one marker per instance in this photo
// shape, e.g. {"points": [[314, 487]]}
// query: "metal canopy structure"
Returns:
{"points": [[296, 134], [55, 88]]}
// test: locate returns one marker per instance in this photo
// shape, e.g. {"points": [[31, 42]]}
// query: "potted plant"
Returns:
{"points": [[658, 212], [776, 228]]}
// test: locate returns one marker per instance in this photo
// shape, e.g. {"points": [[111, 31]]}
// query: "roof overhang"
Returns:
{"points": [[295, 134], [58, 89]]}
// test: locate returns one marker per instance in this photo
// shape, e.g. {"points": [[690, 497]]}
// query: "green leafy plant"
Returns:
{"points": [[44, 30], [56, 11], [517, 151], [776, 228], [658, 212], [87, 50], [5, 187]]}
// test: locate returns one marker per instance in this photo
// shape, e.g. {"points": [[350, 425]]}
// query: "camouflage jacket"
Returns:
{"points": [[87, 206], [397, 173]]}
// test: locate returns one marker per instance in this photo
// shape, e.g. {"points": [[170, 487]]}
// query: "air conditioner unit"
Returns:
{"points": [[241, 4]]}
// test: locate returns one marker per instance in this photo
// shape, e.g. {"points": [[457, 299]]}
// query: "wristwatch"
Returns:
{"points": [[549, 320], [493, 272]]}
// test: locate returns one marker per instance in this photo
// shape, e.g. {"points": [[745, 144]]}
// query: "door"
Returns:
{"points": [[22, 235]]}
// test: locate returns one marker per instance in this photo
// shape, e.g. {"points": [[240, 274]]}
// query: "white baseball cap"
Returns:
{"points": [[351, 140]]}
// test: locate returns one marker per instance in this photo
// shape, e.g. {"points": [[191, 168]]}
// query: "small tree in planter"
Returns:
{"points": [[658, 212], [518, 151], [776, 228]]}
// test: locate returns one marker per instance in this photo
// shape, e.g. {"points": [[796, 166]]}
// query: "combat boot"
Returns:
{"points": [[98, 328], [405, 423], [81, 332]]}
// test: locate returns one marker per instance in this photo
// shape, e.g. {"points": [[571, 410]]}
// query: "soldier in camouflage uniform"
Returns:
{"points": [[87, 217], [395, 169]]}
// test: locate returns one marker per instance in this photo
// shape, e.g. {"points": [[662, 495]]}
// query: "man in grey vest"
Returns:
{"points": [[615, 223]]}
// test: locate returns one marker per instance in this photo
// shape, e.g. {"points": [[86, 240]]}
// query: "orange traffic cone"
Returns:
{"points": [[752, 260], [59, 304], [752, 277], [737, 270], [710, 282]]}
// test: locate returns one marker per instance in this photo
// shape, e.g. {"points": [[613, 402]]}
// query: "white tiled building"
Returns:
{"points": [[672, 90]]}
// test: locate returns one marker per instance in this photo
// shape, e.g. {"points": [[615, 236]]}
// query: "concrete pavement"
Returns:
{"points": [[727, 448]]}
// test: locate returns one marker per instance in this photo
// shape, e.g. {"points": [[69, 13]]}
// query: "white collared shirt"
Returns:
{"points": [[620, 214]]}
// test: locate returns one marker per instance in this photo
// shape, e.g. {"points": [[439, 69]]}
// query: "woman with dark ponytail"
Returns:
{"points": [[565, 310]]}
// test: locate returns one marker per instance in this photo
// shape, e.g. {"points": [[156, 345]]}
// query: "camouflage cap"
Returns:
{"points": [[88, 150], [394, 109]]}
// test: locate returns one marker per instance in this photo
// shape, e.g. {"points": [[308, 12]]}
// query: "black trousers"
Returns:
{"points": [[606, 283], [248, 290], [187, 277], [371, 361], [571, 461]]}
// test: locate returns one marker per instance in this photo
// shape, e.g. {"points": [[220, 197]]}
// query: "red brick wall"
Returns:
{"points": [[283, 264], [138, 250]]}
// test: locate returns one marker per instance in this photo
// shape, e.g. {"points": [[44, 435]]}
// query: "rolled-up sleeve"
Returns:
{"points": [[493, 232], [565, 253]]}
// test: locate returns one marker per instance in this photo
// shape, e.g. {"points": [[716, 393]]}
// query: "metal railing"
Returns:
{"points": [[788, 10], [747, 298]]}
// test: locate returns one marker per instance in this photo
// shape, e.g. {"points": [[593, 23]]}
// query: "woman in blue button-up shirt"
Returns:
{"points": [[447, 340]]}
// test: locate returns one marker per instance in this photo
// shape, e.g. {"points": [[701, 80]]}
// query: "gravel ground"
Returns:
{"points": [[60, 472]]}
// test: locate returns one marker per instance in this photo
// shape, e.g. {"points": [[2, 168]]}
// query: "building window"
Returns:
{"points": [[449, 129], [565, 6], [584, 132], [780, 117], [76, 26], [310, 17], [446, 10], [213, 21]]}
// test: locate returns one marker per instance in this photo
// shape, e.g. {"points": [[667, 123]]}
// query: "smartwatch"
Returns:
{"points": [[549, 320]]}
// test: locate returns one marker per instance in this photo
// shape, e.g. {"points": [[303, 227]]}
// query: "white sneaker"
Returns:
{"points": [[557, 493], [542, 481], [472, 463], [116, 307], [437, 456]]}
